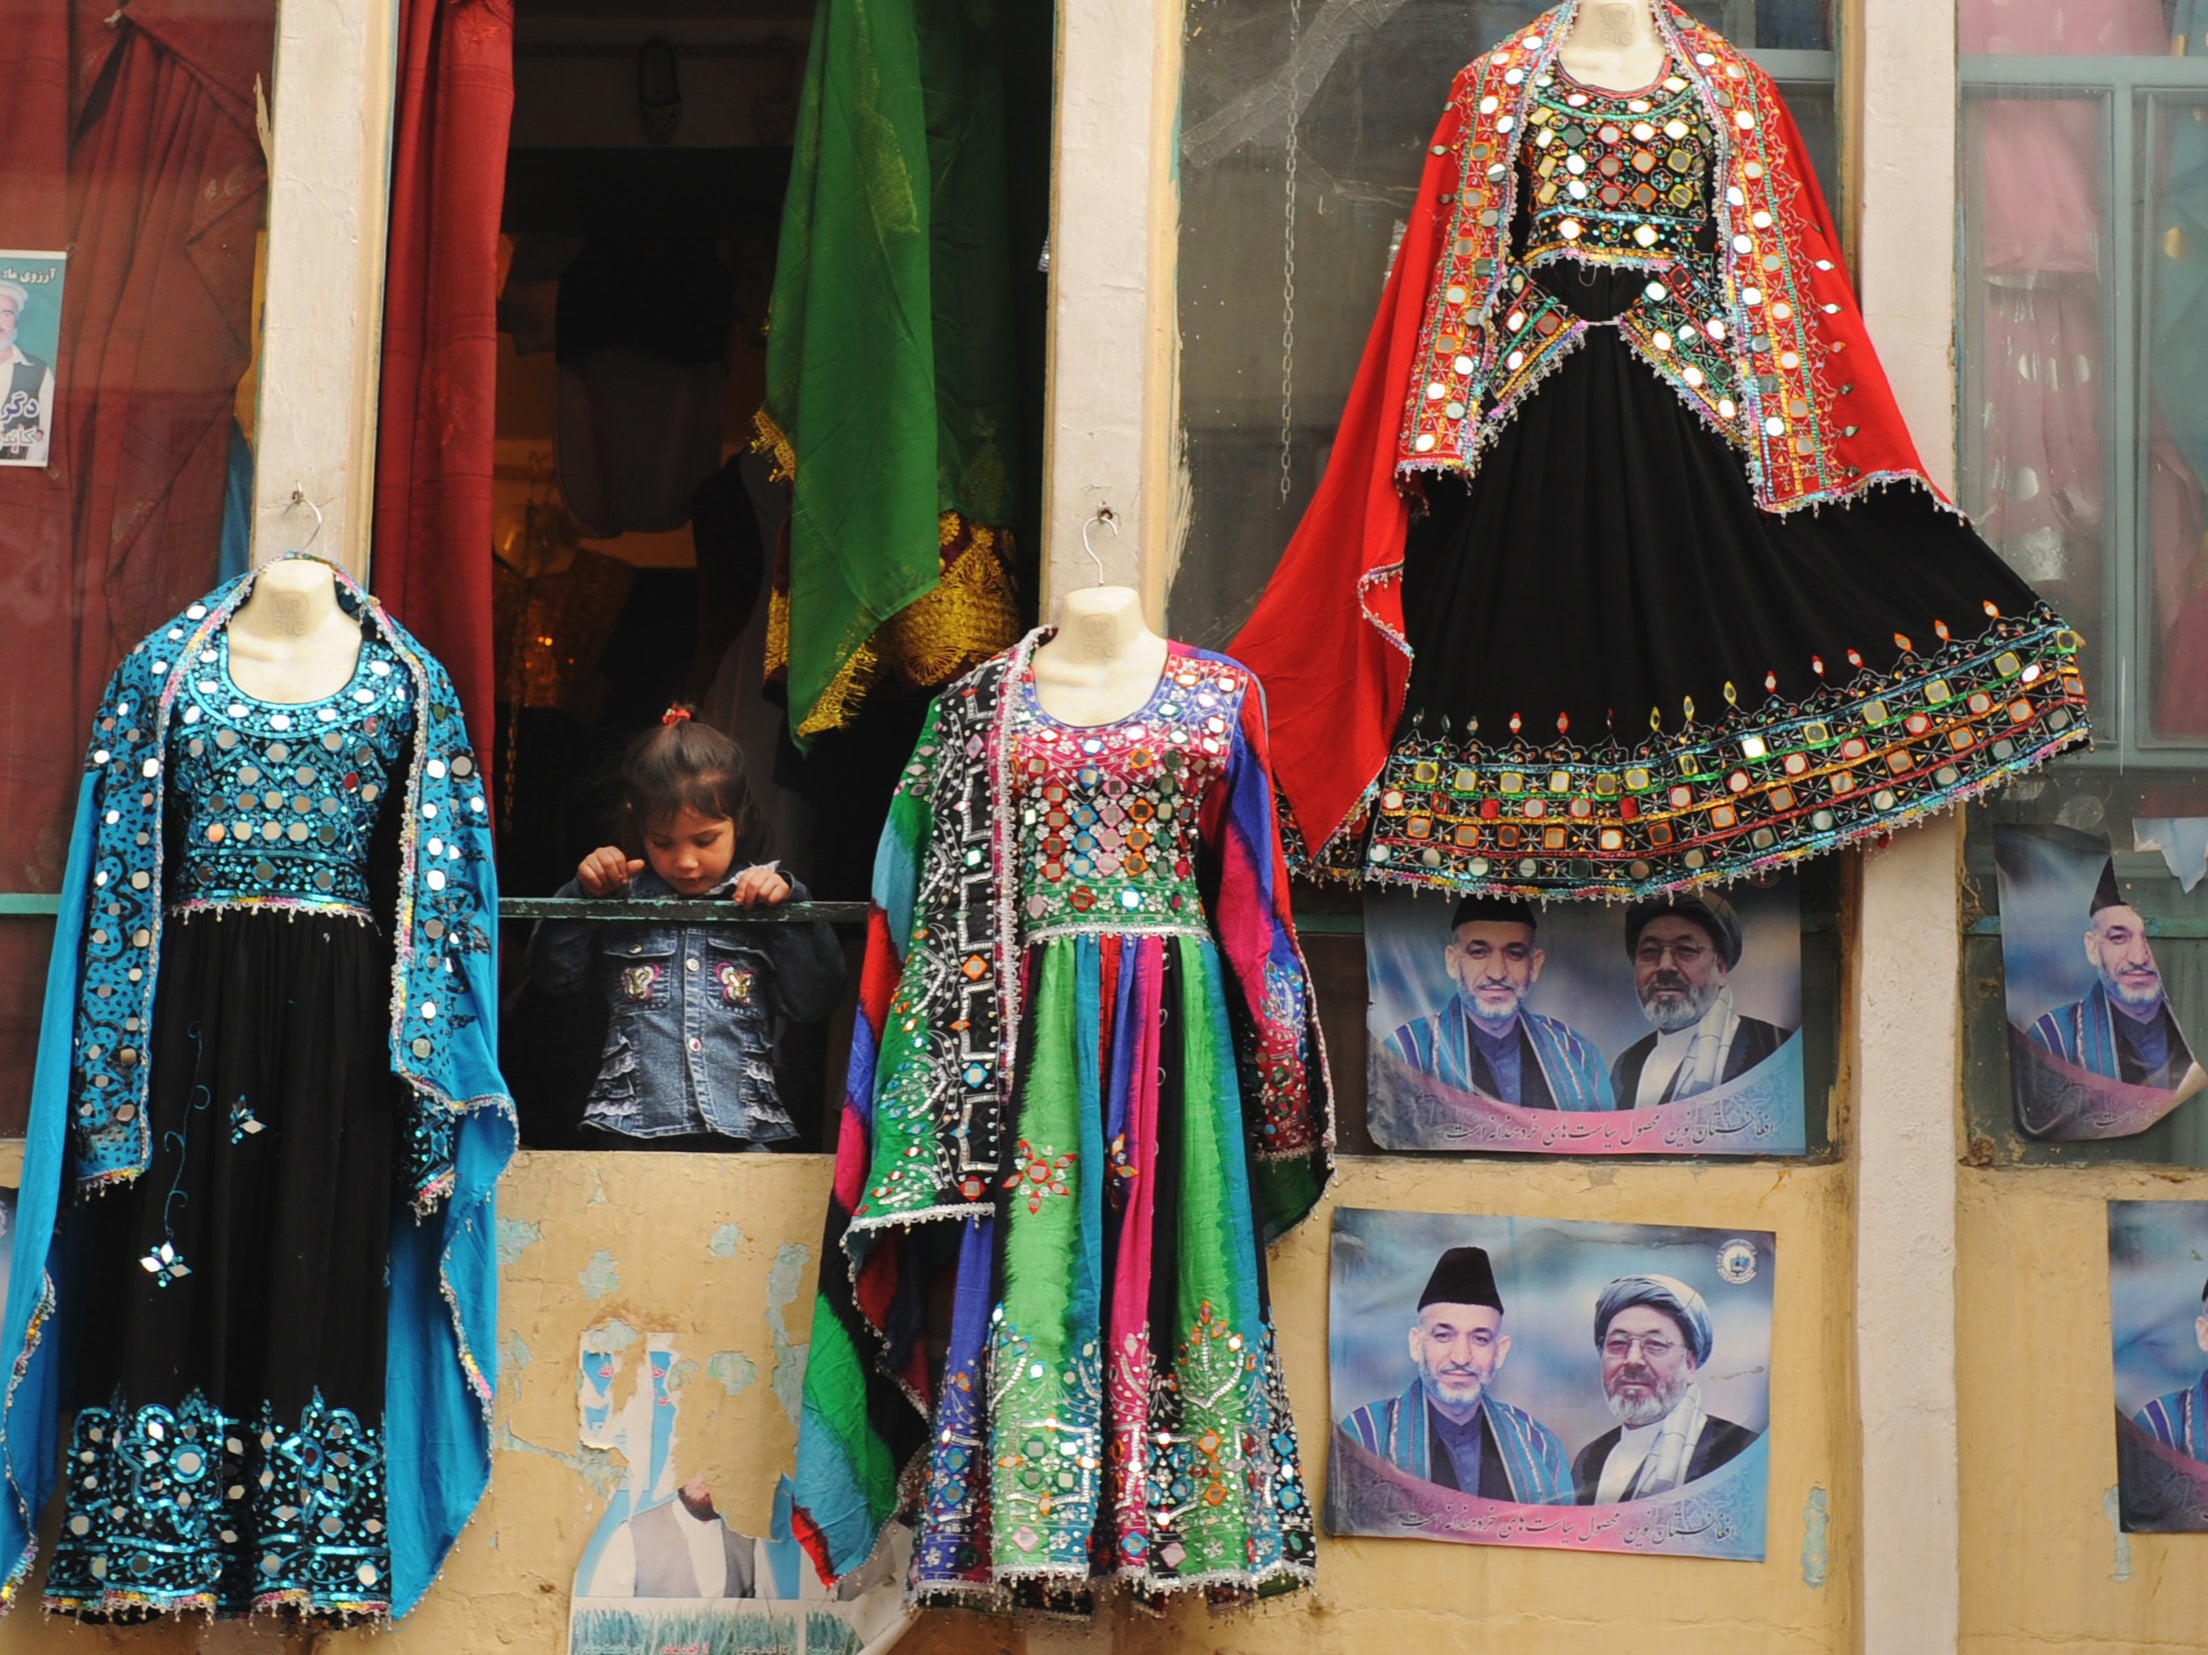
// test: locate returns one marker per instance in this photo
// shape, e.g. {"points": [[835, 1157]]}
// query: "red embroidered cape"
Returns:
{"points": [[1818, 421]]}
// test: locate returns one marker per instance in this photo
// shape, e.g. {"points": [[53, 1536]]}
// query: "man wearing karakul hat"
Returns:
{"points": [[1653, 1333], [1486, 1040], [2122, 1029], [1448, 1427], [1683, 951]]}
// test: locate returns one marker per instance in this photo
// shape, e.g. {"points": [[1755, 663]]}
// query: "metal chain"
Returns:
{"points": [[1288, 267]]}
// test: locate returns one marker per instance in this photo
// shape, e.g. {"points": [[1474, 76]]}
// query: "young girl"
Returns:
{"points": [[694, 1005]]}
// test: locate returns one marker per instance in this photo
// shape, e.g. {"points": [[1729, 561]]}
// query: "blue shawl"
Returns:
{"points": [[89, 1123], [2179, 1419], [1441, 1046], [2082, 1033], [1398, 1431]]}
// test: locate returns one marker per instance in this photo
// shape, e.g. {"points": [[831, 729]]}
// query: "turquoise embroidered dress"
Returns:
{"points": [[267, 1078]]}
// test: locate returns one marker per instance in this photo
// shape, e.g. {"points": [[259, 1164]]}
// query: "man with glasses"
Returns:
{"points": [[1653, 1333], [1683, 951]]}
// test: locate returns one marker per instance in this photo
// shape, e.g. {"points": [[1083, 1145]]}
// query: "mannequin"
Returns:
{"points": [[1614, 46], [291, 641], [1103, 662]]}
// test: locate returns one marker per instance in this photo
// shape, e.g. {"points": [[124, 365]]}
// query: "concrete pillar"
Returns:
{"points": [[328, 204], [1900, 91], [1107, 327]]}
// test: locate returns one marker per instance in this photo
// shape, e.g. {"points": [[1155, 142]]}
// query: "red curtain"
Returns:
{"points": [[438, 411], [128, 139]]}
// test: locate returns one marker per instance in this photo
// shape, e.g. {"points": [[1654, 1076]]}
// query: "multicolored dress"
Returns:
{"points": [[253, 1256], [1625, 574], [1086, 1088]]}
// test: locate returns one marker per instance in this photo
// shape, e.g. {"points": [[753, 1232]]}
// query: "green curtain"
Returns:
{"points": [[891, 382]]}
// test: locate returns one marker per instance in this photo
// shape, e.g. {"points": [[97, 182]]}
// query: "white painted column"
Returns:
{"points": [[328, 203], [1105, 322], [1907, 953]]}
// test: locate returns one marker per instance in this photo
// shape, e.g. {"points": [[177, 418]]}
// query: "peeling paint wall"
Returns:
{"points": [[721, 1253], [606, 1252], [2044, 1565], [660, 1230]]}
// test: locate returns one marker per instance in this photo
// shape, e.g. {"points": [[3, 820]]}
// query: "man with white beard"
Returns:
{"points": [[1654, 1336], [1683, 951], [1448, 1427]]}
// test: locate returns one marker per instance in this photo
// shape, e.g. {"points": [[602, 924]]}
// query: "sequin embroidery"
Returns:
{"points": [[275, 804], [171, 1509], [1616, 179], [1108, 825]]}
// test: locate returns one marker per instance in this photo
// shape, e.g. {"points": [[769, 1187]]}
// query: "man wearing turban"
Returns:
{"points": [[1683, 951], [1448, 1427], [26, 387], [1486, 1040], [2122, 1029], [1653, 1333]]}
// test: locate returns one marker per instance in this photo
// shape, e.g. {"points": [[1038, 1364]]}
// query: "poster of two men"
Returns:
{"points": [[1666, 1027], [1546, 1383]]}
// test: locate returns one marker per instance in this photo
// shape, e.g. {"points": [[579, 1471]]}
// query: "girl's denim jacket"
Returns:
{"points": [[693, 1008]]}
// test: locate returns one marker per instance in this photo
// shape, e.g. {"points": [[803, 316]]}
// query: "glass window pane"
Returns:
{"points": [[132, 195], [2034, 458], [2064, 28], [1301, 144], [2175, 329]]}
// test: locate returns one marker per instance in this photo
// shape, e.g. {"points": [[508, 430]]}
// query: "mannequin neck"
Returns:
{"points": [[291, 598], [291, 640], [1101, 623], [1614, 45], [1104, 661]]}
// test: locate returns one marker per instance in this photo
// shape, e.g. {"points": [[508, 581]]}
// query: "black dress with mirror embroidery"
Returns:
{"points": [[227, 1453]]}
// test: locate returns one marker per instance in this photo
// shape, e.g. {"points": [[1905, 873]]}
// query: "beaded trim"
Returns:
{"points": [[291, 907], [1719, 799]]}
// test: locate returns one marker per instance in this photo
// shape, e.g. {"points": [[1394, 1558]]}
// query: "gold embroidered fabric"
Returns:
{"points": [[973, 613]]}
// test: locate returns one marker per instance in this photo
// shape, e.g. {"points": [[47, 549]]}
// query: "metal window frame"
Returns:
{"points": [[2130, 93]]}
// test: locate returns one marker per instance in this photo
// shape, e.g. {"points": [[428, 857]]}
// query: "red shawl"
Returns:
{"points": [[1334, 675]]}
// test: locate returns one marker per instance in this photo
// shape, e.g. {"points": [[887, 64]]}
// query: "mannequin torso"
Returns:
{"points": [[1614, 46], [291, 641], [1103, 662]]}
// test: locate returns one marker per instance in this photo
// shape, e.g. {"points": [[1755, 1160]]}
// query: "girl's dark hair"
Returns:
{"points": [[685, 764]]}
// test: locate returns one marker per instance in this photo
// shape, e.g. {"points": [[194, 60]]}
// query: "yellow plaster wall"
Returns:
{"points": [[593, 1238], [2044, 1567]]}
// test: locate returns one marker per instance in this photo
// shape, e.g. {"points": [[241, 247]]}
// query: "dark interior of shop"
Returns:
{"points": [[637, 528]]}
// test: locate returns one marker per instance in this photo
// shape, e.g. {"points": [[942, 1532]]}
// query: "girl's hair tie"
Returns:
{"points": [[675, 715]]}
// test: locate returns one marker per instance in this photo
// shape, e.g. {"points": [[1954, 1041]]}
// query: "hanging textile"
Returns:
{"points": [[890, 387], [439, 405], [1087, 1086], [130, 141], [335, 988], [1681, 603]]}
